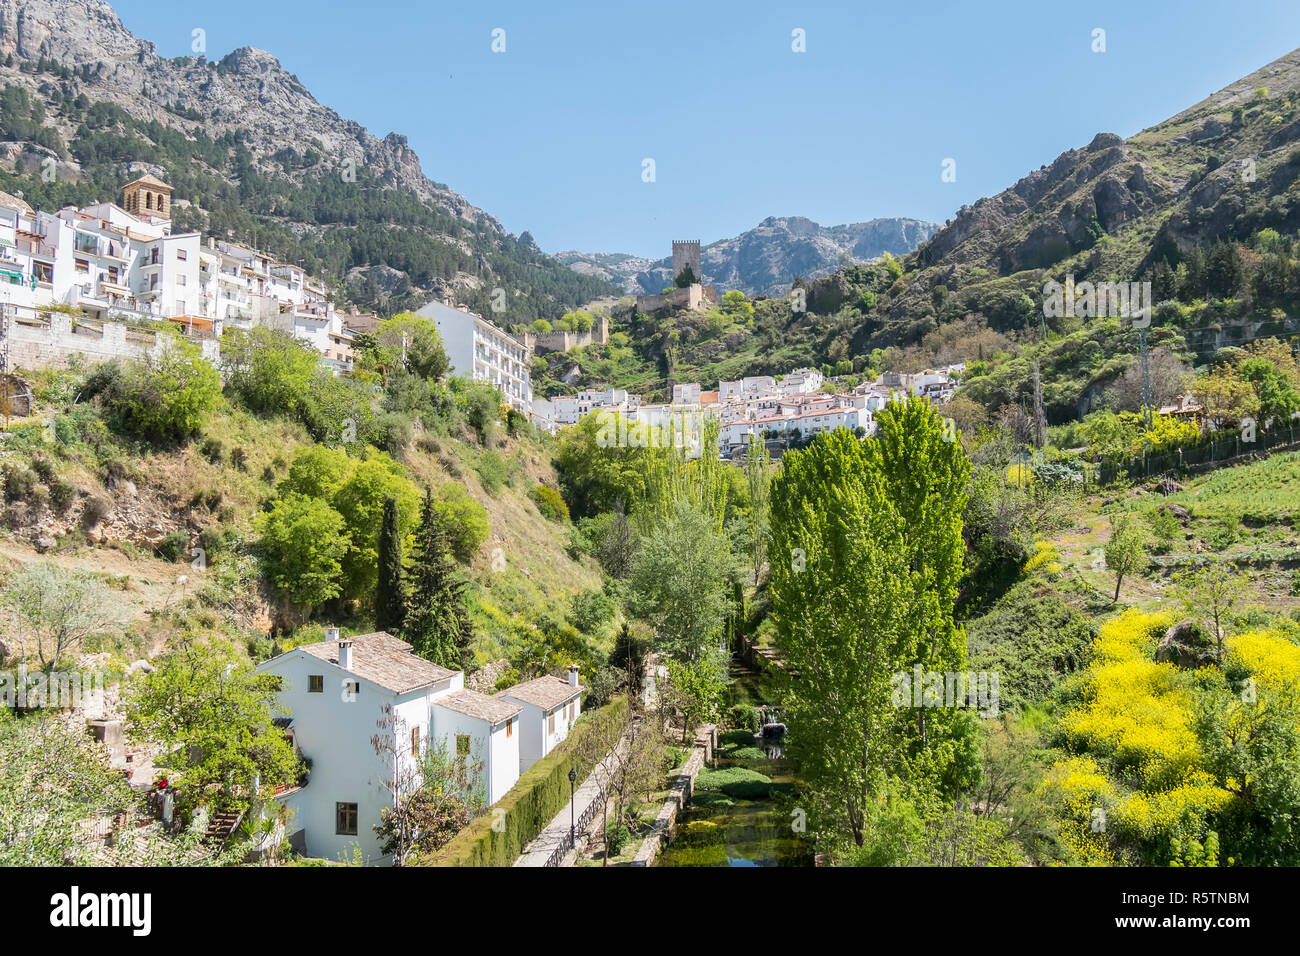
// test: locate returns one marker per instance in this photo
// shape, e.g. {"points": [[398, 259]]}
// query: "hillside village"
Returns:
{"points": [[316, 551]]}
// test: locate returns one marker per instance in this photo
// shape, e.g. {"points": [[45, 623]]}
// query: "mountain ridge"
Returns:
{"points": [[763, 260]]}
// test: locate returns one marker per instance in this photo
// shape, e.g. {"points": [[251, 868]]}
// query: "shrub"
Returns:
{"points": [[173, 547], [238, 458], [165, 399], [466, 520], [550, 503], [62, 494], [214, 450], [497, 839], [44, 468], [95, 511], [617, 836], [738, 783], [492, 472], [20, 482]]}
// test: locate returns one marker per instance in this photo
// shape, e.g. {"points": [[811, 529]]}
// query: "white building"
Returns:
{"points": [[341, 694], [748, 388], [550, 705], [802, 381], [480, 350]]}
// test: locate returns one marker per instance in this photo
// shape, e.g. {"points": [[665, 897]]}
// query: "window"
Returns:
{"points": [[351, 689], [82, 265], [182, 254], [345, 819], [550, 723], [180, 280], [510, 727], [43, 271], [316, 684], [415, 741], [462, 745]]}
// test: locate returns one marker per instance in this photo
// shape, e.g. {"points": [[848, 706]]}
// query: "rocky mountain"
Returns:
{"points": [[766, 259], [251, 152], [1116, 209]]}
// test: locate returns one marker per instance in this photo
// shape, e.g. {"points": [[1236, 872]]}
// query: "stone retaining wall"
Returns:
{"points": [[683, 785]]}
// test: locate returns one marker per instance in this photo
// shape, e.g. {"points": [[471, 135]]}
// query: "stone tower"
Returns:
{"points": [[686, 252], [148, 196]]}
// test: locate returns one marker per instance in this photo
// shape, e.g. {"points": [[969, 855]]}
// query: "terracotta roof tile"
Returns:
{"points": [[473, 704], [384, 660], [545, 692]]}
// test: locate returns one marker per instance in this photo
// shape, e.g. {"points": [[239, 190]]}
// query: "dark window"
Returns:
{"points": [[345, 815], [462, 745], [316, 684]]}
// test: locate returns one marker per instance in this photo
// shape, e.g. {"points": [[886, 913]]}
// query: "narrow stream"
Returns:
{"points": [[742, 813]]}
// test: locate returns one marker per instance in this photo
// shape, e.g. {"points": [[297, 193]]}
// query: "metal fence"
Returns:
{"points": [[1222, 446]]}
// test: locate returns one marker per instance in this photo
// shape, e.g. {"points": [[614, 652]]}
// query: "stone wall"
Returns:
{"points": [[53, 342], [691, 298], [679, 794]]}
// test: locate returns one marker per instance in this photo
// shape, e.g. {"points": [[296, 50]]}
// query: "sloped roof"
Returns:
{"points": [[545, 692], [473, 704], [149, 179], [382, 659], [13, 202]]}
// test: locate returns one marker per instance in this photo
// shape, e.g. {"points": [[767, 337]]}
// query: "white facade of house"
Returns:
{"points": [[745, 389], [341, 693], [551, 706]]}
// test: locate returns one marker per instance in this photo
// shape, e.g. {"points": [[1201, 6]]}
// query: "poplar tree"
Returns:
{"points": [[865, 559], [390, 593], [437, 623]]}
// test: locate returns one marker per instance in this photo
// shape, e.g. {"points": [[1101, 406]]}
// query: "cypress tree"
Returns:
{"points": [[437, 623], [390, 595]]}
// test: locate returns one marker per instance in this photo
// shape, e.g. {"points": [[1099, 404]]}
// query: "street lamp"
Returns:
{"points": [[573, 781]]}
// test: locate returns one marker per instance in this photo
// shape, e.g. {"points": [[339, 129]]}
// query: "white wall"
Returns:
{"points": [[336, 735]]}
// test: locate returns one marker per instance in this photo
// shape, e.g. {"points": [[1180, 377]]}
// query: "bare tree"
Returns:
{"points": [[434, 794]]}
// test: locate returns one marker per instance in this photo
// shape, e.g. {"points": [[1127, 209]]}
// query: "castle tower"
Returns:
{"points": [[148, 196], [686, 252]]}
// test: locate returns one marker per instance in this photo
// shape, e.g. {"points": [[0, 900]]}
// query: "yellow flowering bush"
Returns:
{"points": [[1046, 558], [1271, 659]]}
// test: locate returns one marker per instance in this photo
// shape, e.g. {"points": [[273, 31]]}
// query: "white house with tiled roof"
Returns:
{"points": [[550, 705], [343, 694]]}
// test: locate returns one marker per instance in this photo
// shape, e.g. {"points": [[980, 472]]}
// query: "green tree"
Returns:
{"points": [[1278, 398], [360, 500], [213, 716], [166, 397], [304, 541], [409, 341], [269, 369], [1213, 590], [758, 474], [437, 623], [679, 583], [464, 519], [390, 594], [1125, 551], [866, 552], [58, 610]]}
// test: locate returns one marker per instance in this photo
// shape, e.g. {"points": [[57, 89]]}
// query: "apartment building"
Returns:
{"points": [[480, 350]]}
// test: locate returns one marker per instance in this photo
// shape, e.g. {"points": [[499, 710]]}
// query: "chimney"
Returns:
{"points": [[345, 655], [573, 675]]}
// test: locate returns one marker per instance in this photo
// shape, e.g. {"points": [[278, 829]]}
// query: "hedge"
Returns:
{"points": [[532, 803]]}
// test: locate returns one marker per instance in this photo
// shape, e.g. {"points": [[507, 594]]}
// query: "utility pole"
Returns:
{"points": [[1146, 376], [1040, 417]]}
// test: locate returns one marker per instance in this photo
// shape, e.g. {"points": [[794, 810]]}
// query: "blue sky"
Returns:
{"points": [[550, 135]]}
